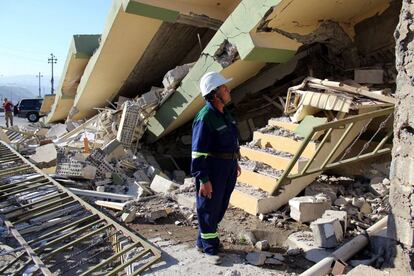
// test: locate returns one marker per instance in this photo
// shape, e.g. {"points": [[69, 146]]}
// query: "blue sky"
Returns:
{"points": [[32, 29]]}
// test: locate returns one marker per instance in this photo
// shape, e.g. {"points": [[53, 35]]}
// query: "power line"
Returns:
{"points": [[40, 91]]}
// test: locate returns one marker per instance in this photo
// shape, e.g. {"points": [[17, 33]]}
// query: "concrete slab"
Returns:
{"points": [[285, 144], [162, 185], [276, 162], [308, 208]]}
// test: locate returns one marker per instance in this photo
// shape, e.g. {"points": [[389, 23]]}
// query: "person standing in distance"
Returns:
{"points": [[8, 112], [215, 155]]}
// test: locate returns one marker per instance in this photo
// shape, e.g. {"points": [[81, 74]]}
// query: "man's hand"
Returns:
{"points": [[238, 170], [206, 190]]}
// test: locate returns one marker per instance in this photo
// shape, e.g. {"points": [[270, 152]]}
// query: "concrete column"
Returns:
{"points": [[401, 223]]}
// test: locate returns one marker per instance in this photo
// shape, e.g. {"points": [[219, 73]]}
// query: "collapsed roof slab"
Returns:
{"points": [[253, 29], [80, 50], [130, 28]]}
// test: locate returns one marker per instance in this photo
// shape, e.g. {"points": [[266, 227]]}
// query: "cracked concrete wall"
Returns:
{"points": [[401, 223]]}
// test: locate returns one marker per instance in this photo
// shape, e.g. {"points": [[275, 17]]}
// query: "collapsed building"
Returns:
{"points": [[312, 94]]}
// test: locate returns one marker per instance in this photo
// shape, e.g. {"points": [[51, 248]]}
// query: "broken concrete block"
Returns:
{"points": [[56, 131], [76, 169], [322, 188], [149, 99], [372, 76], [113, 150], [174, 77], [308, 208], [154, 215], [187, 200], [262, 245], [256, 258], [327, 232], [305, 241], [97, 159], [45, 156], [358, 202], [129, 120], [162, 185], [378, 187], [188, 186], [129, 215], [342, 216]]}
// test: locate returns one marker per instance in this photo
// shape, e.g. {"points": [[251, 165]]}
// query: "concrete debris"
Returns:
{"points": [[162, 185], [316, 188], [308, 208], [327, 232], [304, 241], [262, 245], [248, 237], [56, 131], [154, 215], [174, 77], [341, 216], [256, 258], [129, 215], [45, 156], [367, 270]]}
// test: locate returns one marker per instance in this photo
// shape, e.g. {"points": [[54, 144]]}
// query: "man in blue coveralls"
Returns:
{"points": [[215, 155]]}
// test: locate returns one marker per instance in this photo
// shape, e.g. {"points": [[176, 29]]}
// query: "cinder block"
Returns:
{"points": [[187, 200], [308, 208], [162, 185], [327, 232], [342, 216]]}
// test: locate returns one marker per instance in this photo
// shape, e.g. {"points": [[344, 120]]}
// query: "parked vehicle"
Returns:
{"points": [[28, 108]]}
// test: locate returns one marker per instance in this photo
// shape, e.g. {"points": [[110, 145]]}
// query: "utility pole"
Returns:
{"points": [[52, 60], [40, 91]]}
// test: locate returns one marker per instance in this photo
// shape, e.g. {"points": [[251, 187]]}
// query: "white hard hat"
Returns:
{"points": [[211, 81]]}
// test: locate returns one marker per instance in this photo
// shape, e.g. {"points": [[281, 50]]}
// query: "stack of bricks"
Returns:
{"points": [[129, 120]]}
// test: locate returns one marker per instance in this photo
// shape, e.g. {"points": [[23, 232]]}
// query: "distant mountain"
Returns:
{"points": [[15, 93], [24, 86]]}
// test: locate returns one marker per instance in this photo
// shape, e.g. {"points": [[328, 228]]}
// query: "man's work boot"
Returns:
{"points": [[213, 259], [220, 249]]}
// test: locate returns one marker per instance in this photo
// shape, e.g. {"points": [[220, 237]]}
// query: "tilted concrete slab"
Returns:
{"points": [[47, 103], [80, 50], [130, 29], [262, 32]]}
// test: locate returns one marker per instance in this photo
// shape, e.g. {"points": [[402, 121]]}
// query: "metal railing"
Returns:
{"points": [[329, 159], [58, 231]]}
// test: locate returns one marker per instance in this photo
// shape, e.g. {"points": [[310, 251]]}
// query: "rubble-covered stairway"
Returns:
{"points": [[268, 158]]}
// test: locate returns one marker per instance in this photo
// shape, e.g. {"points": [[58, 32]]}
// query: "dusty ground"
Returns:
{"points": [[180, 256], [16, 121]]}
